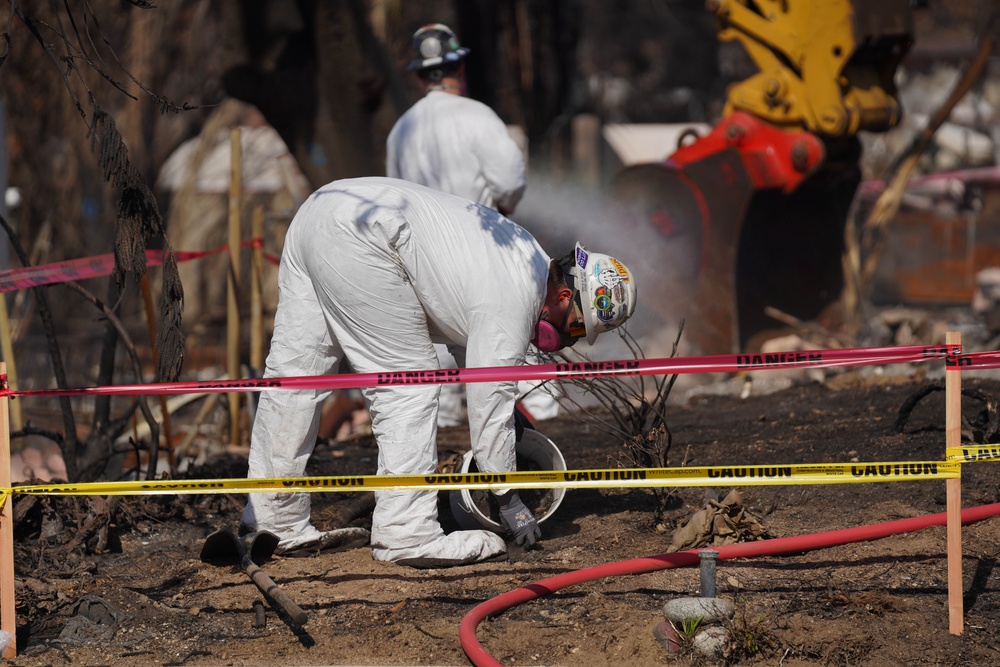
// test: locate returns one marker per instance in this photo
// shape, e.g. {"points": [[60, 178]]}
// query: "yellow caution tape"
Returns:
{"points": [[973, 453], [825, 473]]}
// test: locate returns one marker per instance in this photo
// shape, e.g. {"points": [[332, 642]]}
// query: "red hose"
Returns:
{"points": [[784, 545]]}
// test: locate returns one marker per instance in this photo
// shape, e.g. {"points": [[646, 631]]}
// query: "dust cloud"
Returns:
{"points": [[559, 214]]}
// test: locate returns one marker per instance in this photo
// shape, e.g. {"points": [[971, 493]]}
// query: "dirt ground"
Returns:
{"points": [[119, 581]]}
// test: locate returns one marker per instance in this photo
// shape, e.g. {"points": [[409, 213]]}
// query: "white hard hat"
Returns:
{"points": [[436, 45], [605, 290]]}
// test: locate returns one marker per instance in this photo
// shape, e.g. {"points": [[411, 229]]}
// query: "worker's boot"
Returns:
{"points": [[312, 539], [459, 548]]}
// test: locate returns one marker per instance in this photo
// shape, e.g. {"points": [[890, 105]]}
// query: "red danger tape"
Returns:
{"points": [[975, 361], [80, 269], [12, 280], [723, 363]]}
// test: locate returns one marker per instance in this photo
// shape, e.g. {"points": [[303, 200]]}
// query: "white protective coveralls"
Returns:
{"points": [[459, 145], [377, 270]]}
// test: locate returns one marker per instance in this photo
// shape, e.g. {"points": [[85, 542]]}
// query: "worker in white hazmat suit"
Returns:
{"points": [[375, 270], [455, 144]]}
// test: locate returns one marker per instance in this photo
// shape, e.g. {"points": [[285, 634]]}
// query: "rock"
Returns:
{"points": [[711, 642], [709, 610], [667, 636]]}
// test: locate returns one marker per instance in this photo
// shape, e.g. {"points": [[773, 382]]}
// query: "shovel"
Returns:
{"points": [[224, 547]]}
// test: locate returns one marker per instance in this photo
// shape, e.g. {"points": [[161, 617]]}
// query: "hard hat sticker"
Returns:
{"points": [[608, 277], [622, 271], [603, 305]]}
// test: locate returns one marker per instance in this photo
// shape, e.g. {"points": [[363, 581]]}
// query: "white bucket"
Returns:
{"points": [[476, 509]]}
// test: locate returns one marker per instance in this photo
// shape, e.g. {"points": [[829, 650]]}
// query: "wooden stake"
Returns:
{"points": [[953, 438], [256, 286], [7, 605], [232, 305], [7, 354]]}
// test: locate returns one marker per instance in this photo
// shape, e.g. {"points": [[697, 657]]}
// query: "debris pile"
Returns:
{"points": [[717, 523]]}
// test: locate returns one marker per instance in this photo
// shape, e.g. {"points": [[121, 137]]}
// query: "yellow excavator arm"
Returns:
{"points": [[826, 66]]}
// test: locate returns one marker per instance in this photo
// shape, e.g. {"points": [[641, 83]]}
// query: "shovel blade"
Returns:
{"points": [[221, 547], [224, 547], [261, 546]]}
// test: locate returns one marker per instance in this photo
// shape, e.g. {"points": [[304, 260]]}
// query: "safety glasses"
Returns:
{"points": [[571, 332]]}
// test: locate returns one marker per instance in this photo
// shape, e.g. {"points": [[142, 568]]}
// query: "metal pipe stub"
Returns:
{"points": [[707, 560]]}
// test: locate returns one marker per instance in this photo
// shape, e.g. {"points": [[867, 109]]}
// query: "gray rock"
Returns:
{"points": [[709, 610], [711, 642]]}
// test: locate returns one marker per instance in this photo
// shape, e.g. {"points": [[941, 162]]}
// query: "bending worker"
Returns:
{"points": [[375, 270]]}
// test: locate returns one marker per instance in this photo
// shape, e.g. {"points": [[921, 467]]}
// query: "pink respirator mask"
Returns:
{"points": [[548, 338]]}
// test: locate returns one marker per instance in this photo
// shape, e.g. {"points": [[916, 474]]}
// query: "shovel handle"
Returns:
{"points": [[271, 590]]}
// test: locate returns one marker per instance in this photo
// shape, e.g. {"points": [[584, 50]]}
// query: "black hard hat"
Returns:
{"points": [[436, 45]]}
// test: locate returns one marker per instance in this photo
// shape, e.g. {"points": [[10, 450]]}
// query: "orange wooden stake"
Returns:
{"points": [[953, 438], [7, 608]]}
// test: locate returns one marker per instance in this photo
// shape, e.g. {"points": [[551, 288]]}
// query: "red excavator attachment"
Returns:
{"points": [[751, 216]]}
